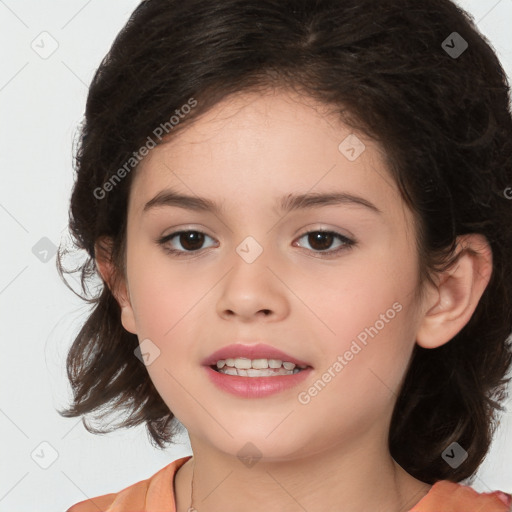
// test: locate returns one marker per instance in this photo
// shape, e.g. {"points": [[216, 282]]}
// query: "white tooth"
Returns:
{"points": [[258, 373], [251, 372], [259, 363], [242, 362]]}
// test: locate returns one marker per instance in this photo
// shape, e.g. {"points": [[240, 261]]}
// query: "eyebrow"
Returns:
{"points": [[288, 203]]}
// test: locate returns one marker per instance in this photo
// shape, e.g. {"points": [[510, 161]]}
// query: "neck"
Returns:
{"points": [[360, 480]]}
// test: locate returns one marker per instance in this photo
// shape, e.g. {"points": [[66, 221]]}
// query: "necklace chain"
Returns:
{"points": [[191, 508]]}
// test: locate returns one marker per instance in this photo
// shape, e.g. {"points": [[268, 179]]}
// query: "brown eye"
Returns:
{"points": [[321, 241], [190, 241]]}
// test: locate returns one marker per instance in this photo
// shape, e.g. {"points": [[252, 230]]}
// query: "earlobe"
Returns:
{"points": [[451, 305], [128, 319], [116, 283]]}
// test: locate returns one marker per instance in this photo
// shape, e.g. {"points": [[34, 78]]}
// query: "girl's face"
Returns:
{"points": [[347, 310]]}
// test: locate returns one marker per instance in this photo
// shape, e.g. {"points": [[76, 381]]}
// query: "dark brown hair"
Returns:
{"points": [[443, 119]]}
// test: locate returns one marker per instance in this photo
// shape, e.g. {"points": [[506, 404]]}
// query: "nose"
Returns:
{"points": [[252, 291]]}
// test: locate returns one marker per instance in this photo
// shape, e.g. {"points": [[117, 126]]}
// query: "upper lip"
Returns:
{"points": [[258, 351]]}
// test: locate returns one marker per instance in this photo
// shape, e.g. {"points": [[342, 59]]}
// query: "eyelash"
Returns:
{"points": [[348, 243]]}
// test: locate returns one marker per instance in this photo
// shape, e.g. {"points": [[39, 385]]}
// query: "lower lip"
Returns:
{"points": [[256, 387]]}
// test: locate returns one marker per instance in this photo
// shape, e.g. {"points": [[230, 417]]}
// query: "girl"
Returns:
{"points": [[301, 214]]}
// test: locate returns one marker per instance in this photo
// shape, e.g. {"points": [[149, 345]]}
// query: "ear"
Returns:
{"points": [[452, 303], [115, 281]]}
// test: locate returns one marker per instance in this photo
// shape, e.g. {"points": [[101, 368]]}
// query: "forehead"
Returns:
{"points": [[252, 146]]}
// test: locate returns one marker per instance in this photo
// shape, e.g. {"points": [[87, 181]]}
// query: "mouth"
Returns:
{"points": [[255, 371], [245, 367]]}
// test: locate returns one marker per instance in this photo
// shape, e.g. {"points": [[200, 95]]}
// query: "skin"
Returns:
{"points": [[330, 451]]}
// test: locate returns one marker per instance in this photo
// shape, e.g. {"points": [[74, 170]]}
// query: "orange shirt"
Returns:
{"points": [[156, 495]]}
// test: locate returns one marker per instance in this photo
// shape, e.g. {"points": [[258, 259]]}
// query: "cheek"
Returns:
{"points": [[173, 387], [366, 283], [373, 317], [359, 382], [163, 294], [368, 301], [165, 310]]}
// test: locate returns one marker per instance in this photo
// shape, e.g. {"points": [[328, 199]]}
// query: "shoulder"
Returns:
{"points": [[154, 491], [446, 496]]}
